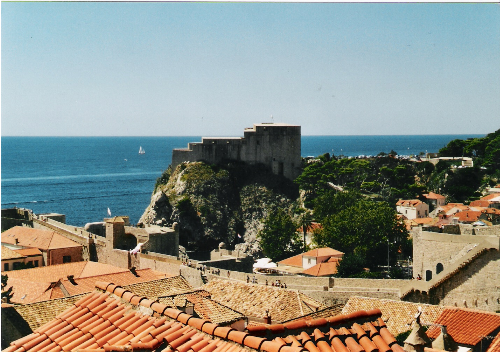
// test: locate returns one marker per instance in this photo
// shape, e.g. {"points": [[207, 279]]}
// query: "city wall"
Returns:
{"points": [[277, 146]]}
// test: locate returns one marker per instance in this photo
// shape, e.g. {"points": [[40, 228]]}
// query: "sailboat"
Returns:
{"points": [[141, 151]]}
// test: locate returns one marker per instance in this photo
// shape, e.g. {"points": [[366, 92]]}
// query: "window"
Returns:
{"points": [[439, 268], [428, 275], [16, 266], [6, 266], [67, 259], [35, 262]]}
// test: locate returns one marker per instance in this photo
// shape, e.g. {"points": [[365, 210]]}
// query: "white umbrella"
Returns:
{"points": [[264, 263]]}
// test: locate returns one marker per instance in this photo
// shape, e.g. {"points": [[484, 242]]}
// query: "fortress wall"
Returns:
{"points": [[430, 249], [475, 286], [159, 262], [370, 283], [276, 145]]}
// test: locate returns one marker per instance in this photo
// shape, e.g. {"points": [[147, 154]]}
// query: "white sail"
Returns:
{"points": [[141, 151]]}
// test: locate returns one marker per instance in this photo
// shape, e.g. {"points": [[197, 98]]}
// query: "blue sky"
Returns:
{"points": [[170, 69]]}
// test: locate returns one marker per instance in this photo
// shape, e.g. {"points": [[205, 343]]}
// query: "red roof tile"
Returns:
{"points": [[84, 327], [408, 203], [36, 238], [293, 261], [467, 216], [323, 252], [466, 326], [432, 195], [323, 269]]}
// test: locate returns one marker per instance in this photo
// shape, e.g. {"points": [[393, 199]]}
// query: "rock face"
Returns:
{"points": [[214, 204]]}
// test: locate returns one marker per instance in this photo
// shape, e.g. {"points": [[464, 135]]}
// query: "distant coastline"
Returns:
{"points": [[83, 176]]}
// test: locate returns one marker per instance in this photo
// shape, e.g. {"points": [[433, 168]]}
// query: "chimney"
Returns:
{"points": [[133, 271], [417, 339], [16, 240], [71, 278], [444, 342]]}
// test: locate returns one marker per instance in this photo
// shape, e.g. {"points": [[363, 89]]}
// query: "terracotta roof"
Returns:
{"points": [[331, 311], [480, 203], [432, 195], [254, 300], [323, 252], [293, 261], [40, 313], [398, 315], [408, 203], [466, 326], [467, 216], [424, 221], [489, 197], [317, 270], [8, 253], [323, 269], [204, 307], [309, 325], [52, 273], [311, 228], [36, 238], [160, 288], [44, 283], [117, 320], [28, 251], [495, 344]]}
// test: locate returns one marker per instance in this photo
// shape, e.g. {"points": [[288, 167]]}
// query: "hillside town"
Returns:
{"points": [[115, 286]]}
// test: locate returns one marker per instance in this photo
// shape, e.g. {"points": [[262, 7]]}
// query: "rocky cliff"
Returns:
{"points": [[216, 203]]}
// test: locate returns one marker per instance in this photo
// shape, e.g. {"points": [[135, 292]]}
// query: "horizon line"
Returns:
{"points": [[227, 136]]}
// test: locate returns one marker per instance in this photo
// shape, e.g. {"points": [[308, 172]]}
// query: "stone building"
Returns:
{"points": [[55, 248], [275, 145], [460, 269], [412, 209]]}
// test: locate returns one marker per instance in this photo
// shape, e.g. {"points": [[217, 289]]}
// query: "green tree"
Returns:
{"points": [[367, 228], [7, 294], [351, 265], [333, 202], [279, 238]]}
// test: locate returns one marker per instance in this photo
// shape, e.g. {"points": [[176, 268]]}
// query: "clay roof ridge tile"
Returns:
{"points": [[72, 345], [125, 321], [102, 285], [199, 345], [210, 347], [142, 322], [179, 341], [98, 334], [194, 339], [136, 300]]}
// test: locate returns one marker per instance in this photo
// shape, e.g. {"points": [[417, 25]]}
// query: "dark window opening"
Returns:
{"points": [[439, 268], [16, 266], [35, 263], [67, 259], [6, 266], [428, 275]]}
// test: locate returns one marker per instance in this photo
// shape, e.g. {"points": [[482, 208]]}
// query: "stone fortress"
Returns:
{"points": [[276, 145]]}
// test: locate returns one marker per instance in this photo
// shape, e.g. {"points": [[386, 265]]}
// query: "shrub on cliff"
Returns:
{"points": [[279, 238]]}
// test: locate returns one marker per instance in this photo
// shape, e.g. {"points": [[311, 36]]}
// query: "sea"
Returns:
{"points": [[83, 177]]}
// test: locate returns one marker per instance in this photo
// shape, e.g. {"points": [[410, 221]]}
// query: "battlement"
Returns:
{"points": [[276, 145]]}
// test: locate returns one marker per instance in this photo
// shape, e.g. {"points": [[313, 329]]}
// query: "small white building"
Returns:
{"points": [[412, 209], [435, 199]]}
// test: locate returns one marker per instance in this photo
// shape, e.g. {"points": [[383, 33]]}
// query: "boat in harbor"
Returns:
{"points": [[141, 150]]}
